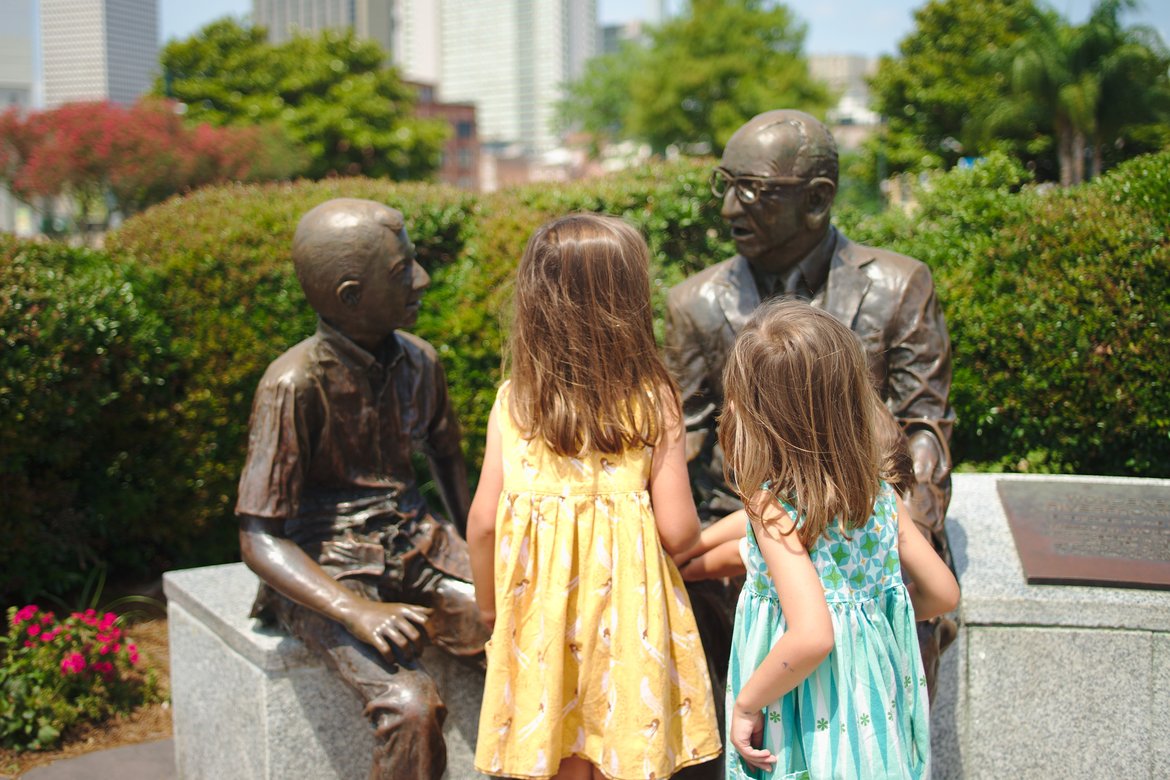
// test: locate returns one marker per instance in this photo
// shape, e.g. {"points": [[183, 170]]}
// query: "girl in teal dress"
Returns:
{"points": [[826, 678]]}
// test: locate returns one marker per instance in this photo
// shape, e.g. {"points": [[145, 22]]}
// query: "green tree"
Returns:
{"points": [[599, 102], [329, 94], [1095, 80], [702, 75], [933, 93]]}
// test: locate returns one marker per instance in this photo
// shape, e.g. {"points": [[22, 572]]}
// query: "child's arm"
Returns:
{"points": [[727, 528], [722, 561], [807, 641], [933, 589], [717, 553], [481, 524], [670, 485]]}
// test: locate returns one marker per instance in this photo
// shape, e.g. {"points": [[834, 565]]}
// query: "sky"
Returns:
{"points": [[866, 27]]}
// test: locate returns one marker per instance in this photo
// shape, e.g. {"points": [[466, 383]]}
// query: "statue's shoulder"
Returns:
{"points": [[419, 349], [296, 367], [688, 292], [875, 260]]}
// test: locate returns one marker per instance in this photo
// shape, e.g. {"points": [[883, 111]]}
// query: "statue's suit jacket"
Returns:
{"points": [[886, 298]]}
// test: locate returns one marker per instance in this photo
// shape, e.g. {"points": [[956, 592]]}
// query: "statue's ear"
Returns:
{"points": [[349, 292], [818, 202]]}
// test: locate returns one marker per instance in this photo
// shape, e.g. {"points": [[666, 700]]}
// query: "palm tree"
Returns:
{"points": [[1132, 66], [1094, 80]]}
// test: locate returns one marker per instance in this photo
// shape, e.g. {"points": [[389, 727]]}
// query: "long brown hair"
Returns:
{"points": [[799, 417], [586, 371], [895, 464]]}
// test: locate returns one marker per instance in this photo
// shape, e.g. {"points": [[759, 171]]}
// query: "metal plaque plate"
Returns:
{"points": [[1077, 533]]}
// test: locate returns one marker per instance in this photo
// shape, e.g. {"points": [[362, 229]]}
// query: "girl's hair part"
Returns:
{"points": [[799, 418], [586, 371]]}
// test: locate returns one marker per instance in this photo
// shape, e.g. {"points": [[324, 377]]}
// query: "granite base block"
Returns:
{"points": [[252, 703], [1043, 681], [1049, 680]]}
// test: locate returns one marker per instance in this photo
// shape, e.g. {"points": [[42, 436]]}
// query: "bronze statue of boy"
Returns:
{"points": [[331, 517]]}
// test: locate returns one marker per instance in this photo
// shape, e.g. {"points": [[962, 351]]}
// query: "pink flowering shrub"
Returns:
{"points": [[58, 672]]}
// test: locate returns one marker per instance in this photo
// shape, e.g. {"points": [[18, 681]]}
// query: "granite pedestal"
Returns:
{"points": [[1044, 681], [1047, 681], [251, 703]]}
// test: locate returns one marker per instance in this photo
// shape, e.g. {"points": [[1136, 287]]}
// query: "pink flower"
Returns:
{"points": [[73, 663], [132, 651], [48, 617], [28, 644], [108, 620], [24, 613], [34, 629]]}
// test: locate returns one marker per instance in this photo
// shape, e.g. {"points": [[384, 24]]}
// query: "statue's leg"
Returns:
{"points": [[440, 580], [401, 700]]}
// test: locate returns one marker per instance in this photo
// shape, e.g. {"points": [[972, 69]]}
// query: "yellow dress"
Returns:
{"points": [[595, 652]]}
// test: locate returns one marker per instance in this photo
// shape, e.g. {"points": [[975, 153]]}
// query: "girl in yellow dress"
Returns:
{"points": [[595, 668]]}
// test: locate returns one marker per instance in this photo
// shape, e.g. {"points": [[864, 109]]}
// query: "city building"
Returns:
{"points": [[16, 89], [511, 58], [460, 166], [851, 119], [408, 30], [98, 49], [369, 19], [416, 40]]}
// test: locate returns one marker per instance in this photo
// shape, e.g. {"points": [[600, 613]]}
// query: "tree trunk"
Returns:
{"points": [[1095, 169], [1064, 150], [1078, 151]]}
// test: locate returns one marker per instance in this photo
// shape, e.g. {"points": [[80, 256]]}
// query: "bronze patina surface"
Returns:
{"points": [[1090, 534]]}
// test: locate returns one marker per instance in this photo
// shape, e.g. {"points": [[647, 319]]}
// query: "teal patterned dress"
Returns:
{"points": [[863, 712]]}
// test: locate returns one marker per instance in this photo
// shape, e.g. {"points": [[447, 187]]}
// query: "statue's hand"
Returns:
{"points": [[392, 628], [927, 454]]}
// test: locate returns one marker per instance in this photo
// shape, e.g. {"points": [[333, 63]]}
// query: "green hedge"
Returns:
{"points": [[85, 395], [1056, 303]]}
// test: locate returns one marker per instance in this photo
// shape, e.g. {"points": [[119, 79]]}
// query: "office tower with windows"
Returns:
{"points": [[511, 58], [98, 49]]}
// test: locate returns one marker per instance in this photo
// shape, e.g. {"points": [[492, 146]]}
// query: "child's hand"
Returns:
{"points": [[488, 619], [747, 730]]}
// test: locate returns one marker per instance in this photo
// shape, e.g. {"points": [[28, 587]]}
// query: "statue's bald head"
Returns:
{"points": [[337, 240], [790, 142]]}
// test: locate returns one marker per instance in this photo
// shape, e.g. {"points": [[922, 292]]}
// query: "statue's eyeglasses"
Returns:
{"points": [[749, 189]]}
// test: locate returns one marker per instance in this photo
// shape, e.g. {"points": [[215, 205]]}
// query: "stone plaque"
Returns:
{"points": [[1080, 533]]}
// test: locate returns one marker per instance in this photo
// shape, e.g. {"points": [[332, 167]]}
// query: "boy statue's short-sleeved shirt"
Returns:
{"points": [[329, 450]]}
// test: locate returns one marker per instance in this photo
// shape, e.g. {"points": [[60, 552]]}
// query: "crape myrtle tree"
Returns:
{"points": [[104, 157], [700, 76], [329, 94]]}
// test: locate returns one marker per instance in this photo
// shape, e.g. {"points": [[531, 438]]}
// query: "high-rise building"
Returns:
{"points": [[416, 42], [16, 53], [16, 78], [851, 120], [98, 49], [511, 58], [407, 29]]}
